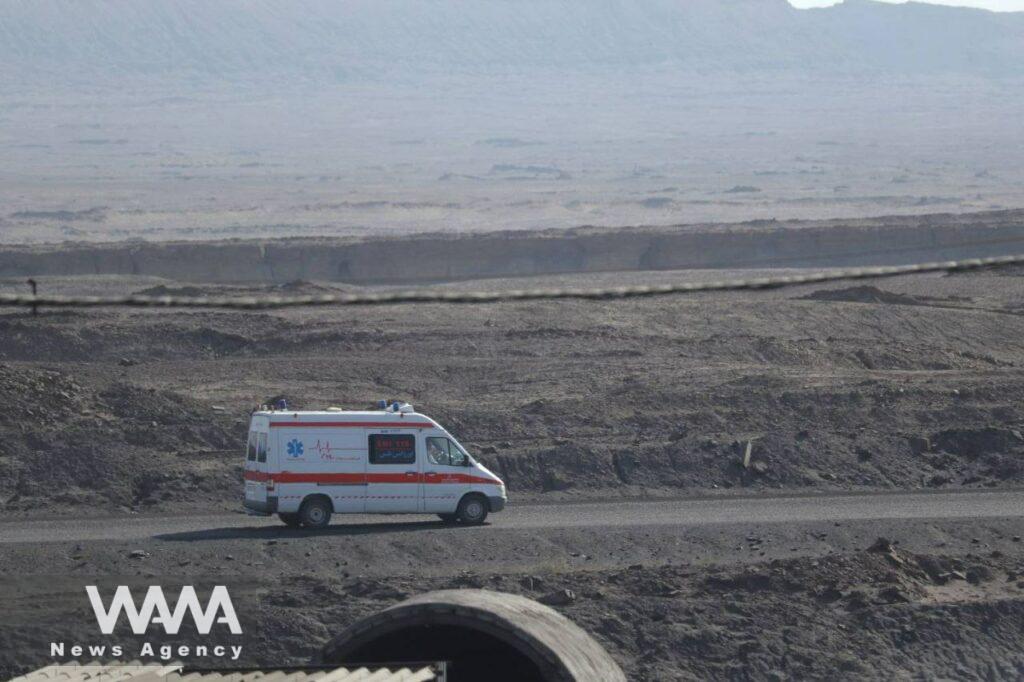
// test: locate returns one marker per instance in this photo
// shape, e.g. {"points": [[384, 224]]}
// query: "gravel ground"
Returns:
{"points": [[746, 600], [910, 385], [915, 383]]}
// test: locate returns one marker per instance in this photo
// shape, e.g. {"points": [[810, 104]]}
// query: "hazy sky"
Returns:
{"points": [[997, 5]]}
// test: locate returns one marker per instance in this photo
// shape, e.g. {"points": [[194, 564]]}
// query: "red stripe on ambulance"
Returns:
{"points": [[358, 479], [352, 425]]}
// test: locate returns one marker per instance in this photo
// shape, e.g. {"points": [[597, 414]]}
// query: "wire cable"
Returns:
{"points": [[462, 297]]}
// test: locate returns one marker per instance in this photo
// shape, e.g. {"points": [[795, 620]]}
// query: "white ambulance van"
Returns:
{"points": [[306, 466]]}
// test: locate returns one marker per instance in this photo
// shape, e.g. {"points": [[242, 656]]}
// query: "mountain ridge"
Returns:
{"points": [[106, 42]]}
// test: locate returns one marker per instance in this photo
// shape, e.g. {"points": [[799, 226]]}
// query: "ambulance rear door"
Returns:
{"points": [[256, 473]]}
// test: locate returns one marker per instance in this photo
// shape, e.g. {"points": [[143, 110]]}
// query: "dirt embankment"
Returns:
{"points": [[878, 612], [833, 390], [71, 448], [436, 258], [66, 446]]}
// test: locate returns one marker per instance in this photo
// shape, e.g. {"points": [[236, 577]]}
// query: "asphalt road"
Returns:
{"points": [[680, 512]]}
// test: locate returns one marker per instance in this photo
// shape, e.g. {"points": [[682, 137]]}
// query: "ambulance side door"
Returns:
{"points": [[392, 472], [339, 458], [322, 461], [444, 474]]}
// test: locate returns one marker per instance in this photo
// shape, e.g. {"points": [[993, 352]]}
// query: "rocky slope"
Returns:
{"points": [[877, 610], [914, 383], [65, 446]]}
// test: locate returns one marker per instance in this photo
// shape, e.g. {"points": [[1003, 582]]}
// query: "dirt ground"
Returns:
{"points": [[909, 383], [757, 601], [906, 383]]}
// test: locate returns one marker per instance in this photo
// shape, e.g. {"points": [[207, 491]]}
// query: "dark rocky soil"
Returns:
{"points": [[830, 388], [67, 446], [878, 612], [913, 384]]}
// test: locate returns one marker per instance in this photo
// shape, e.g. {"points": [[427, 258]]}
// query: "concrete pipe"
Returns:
{"points": [[484, 635]]}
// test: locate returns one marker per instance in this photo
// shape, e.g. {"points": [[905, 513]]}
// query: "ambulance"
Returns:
{"points": [[307, 466]]}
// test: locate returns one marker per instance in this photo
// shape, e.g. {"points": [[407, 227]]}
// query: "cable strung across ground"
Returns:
{"points": [[436, 296]]}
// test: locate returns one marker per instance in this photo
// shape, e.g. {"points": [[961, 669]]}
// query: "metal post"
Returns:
{"points": [[35, 307]]}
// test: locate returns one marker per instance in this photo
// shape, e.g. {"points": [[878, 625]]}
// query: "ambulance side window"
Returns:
{"points": [[261, 448], [443, 451], [437, 451], [250, 448], [392, 448], [458, 455]]}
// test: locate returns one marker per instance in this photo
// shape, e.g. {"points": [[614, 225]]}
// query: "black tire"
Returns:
{"points": [[473, 510], [290, 520], [315, 512], [449, 518]]}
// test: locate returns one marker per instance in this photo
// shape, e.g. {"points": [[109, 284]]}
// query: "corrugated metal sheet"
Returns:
{"points": [[136, 671], [97, 672]]}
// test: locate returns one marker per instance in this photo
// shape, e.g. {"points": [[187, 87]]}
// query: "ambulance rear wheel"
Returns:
{"points": [[473, 510], [448, 518], [315, 512], [290, 519]]}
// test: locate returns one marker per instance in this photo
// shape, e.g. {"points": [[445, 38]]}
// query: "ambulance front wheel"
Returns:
{"points": [[315, 512], [473, 509]]}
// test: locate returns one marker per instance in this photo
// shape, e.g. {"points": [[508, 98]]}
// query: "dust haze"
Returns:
{"points": [[814, 482], [182, 120]]}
